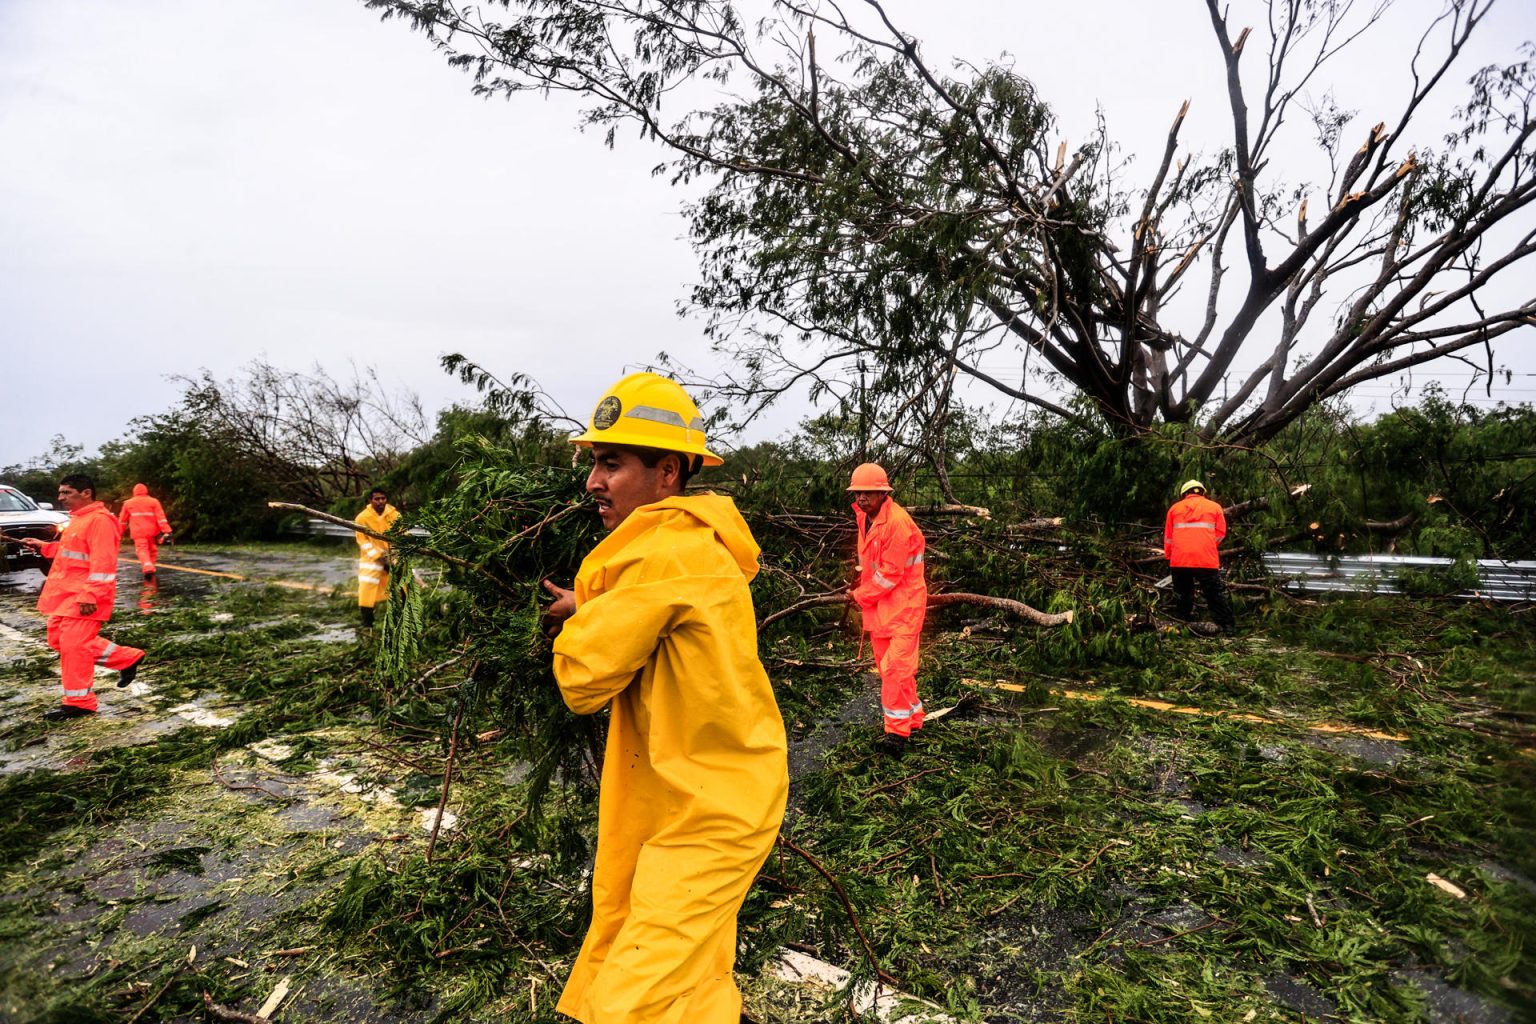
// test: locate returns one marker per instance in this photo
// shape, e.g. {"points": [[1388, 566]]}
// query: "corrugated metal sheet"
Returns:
{"points": [[1311, 573]]}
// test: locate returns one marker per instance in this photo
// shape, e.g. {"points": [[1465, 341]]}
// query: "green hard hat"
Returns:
{"points": [[1190, 485]]}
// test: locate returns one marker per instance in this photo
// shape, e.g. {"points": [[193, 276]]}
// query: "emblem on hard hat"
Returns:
{"points": [[607, 413]]}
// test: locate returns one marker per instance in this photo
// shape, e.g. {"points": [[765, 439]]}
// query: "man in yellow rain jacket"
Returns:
{"points": [[372, 553], [660, 629]]}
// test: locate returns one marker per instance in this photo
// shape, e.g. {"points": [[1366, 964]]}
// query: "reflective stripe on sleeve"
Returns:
{"points": [[79, 556], [915, 560], [881, 581], [1194, 526]]}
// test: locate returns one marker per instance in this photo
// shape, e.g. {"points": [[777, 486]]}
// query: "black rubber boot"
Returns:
{"points": [[126, 675], [892, 745], [367, 617], [65, 711]]}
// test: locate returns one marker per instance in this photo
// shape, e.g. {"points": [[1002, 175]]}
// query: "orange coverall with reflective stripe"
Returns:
{"points": [[84, 572], [143, 518], [893, 594], [1191, 533]]}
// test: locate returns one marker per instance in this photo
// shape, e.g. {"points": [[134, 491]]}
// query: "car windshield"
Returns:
{"points": [[15, 501]]}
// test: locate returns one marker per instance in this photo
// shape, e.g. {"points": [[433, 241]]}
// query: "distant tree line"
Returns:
{"points": [[1439, 477]]}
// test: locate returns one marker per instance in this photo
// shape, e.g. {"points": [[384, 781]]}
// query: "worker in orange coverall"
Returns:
{"points": [[78, 594], [143, 519], [661, 632], [893, 595], [1191, 535]]}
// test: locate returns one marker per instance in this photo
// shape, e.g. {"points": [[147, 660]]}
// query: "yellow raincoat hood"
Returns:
{"points": [[694, 776]]}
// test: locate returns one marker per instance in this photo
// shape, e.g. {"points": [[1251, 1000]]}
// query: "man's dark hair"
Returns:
{"points": [[377, 490], [687, 464], [80, 482]]}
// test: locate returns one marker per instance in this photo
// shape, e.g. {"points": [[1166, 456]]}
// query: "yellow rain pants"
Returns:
{"points": [[372, 555], [694, 776]]}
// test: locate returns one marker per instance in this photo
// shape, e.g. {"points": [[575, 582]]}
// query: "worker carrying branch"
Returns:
{"points": [[1192, 534], [78, 594], [373, 554], [660, 629], [142, 518], [893, 595]]}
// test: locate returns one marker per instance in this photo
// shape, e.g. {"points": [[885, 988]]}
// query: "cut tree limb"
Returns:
{"points": [[951, 510], [218, 1012], [430, 552], [1257, 504], [1002, 604], [1046, 523]]}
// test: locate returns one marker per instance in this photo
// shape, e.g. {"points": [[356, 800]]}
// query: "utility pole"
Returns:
{"points": [[863, 417]]}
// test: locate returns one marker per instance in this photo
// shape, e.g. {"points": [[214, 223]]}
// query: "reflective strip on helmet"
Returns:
{"points": [[667, 416], [881, 581], [79, 556], [78, 693], [915, 560], [1194, 526], [102, 577], [101, 659]]}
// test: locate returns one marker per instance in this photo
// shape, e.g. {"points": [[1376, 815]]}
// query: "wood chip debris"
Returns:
{"points": [[1444, 886], [879, 1002], [274, 1000]]}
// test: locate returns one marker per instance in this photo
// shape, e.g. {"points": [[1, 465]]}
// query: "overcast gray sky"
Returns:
{"points": [[191, 184]]}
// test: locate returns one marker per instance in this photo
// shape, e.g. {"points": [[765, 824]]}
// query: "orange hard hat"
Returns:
{"points": [[869, 477]]}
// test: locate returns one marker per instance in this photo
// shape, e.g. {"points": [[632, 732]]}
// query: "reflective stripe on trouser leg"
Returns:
{"points": [[146, 549], [81, 648], [372, 586], [896, 656]]}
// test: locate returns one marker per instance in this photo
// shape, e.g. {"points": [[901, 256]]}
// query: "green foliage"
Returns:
{"points": [[515, 524]]}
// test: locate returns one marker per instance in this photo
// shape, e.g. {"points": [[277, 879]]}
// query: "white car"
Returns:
{"points": [[20, 516]]}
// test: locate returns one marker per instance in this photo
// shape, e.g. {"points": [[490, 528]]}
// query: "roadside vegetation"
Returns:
{"points": [[1053, 851]]}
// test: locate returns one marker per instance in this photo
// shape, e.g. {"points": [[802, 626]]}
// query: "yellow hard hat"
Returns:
{"points": [[869, 477], [1190, 485], [646, 410]]}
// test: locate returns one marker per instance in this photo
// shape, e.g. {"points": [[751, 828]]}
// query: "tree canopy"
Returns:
{"points": [[865, 204]]}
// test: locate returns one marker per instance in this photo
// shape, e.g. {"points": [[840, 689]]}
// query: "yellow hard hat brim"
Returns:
{"points": [[634, 439]]}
